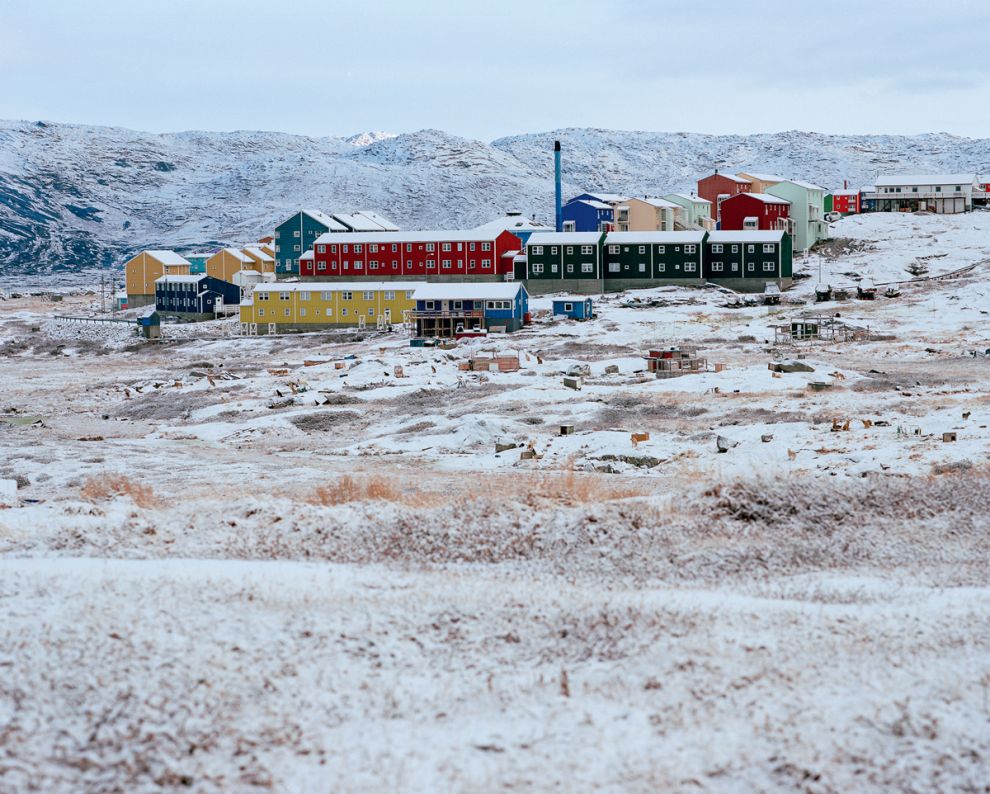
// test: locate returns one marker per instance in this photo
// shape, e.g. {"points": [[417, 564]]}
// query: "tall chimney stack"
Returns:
{"points": [[558, 207]]}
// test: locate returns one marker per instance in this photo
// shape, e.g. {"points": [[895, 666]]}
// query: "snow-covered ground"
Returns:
{"points": [[238, 563]]}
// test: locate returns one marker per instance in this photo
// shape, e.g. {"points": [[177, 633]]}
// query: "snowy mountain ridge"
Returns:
{"points": [[74, 196]]}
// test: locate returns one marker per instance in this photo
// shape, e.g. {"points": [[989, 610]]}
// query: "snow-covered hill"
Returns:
{"points": [[75, 196]]}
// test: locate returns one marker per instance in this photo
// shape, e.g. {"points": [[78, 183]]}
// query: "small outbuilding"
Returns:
{"points": [[575, 308]]}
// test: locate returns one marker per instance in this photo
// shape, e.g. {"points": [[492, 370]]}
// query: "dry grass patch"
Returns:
{"points": [[103, 488], [347, 490]]}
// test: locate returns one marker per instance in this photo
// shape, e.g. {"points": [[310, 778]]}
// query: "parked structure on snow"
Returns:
{"points": [[197, 297], [143, 270], [469, 255], [310, 306], [575, 308], [754, 211], [674, 362], [443, 310], [807, 211]]}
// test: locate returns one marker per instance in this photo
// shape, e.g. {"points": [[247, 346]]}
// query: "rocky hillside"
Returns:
{"points": [[74, 197]]}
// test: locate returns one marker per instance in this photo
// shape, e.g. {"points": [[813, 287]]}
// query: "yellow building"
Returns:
{"points": [[227, 261], [311, 305], [263, 261], [760, 182], [141, 272], [647, 215]]}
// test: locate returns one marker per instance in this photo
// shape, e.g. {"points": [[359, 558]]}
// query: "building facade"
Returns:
{"points": [[563, 260], [310, 306], [143, 270], [432, 256], [807, 213], [760, 182], [261, 260], [697, 211], [446, 309], [846, 202], [631, 258], [227, 261], [748, 259], [940, 193], [754, 211], [196, 297], [587, 215], [718, 187], [296, 234], [647, 215]]}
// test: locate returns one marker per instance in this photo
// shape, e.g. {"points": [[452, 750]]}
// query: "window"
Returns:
{"points": [[343, 312], [716, 249], [357, 248], [445, 247], [570, 268], [321, 249], [750, 248], [613, 249], [333, 248], [372, 248], [661, 249], [587, 249], [661, 267], [430, 246], [395, 264], [642, 267], [751, 267], [613, 267], [431, 264], [570, 249], [262, 296], [642, 249], [486, 246], [735, 249], [429, 305], [371, 312], [277, 248], [690, 267], [368, 296], [408, 263], [288, 312], [346, 295], [587, 267], [373, 264], [359, 265], [768, 267], [537, 249], [553, 268], [302, 312], [284, 296], [486, 263], [690, 249], [445, 264], [717, 267], [553, 250], [329, 312], [321, 266], [304, 296], [326, 296], [261, 312], [768, 248], [471, 265], [295, 233], [295, 248]]}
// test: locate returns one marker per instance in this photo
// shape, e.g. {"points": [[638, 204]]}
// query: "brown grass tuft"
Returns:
{"points": [[100, 489], [346, 490]]}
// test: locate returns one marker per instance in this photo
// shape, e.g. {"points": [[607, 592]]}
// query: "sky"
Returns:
{"points": [[487, 69]]}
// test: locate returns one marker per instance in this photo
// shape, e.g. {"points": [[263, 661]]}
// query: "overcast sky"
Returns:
{"points": [[486, 69]]}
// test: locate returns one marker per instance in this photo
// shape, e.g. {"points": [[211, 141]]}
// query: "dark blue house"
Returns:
{"points": [[575, 308], [194, 297], [447, 309], [590, 212]]}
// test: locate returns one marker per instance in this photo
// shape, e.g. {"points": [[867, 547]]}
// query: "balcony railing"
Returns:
{"points": [[919, 195], [445, 314]]}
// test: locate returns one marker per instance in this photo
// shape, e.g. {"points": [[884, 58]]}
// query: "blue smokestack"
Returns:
{"points": [[556, 187]]}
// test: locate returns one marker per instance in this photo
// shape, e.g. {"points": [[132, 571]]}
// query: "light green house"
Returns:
{"points": [[697, 211], [807, 221]]}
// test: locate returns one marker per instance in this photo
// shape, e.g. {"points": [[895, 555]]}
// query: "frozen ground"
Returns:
{"points": [[229, 570]]}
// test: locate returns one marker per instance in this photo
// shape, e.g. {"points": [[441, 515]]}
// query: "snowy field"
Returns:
{"points": [[299, 563]]}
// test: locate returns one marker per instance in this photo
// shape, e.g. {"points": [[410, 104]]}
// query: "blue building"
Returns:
{"points": [[296, 235], [575, 308], [194, 297], [448, 308], [197, 262], [590, 212]]}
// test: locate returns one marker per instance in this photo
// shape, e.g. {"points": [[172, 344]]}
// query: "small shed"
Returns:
{"points": [[579, 309], [150, 324]]}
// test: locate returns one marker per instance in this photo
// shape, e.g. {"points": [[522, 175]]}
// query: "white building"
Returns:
{"points": [[941, 193]]}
